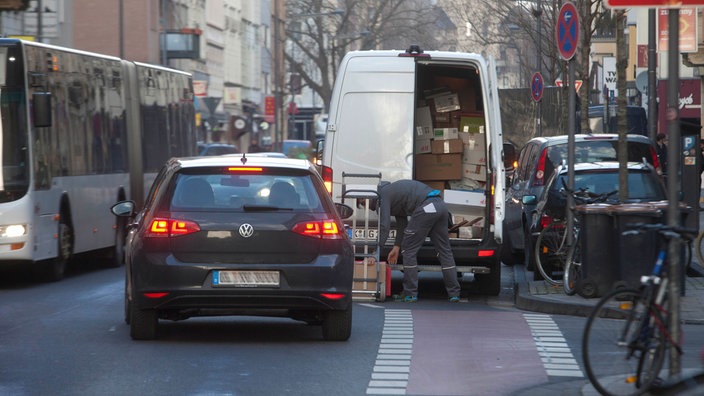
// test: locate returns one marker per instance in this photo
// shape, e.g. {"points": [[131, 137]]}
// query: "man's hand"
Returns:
{"points": [[393, 255]]}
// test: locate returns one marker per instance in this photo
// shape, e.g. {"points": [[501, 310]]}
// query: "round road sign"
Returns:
{"points": [[567, 31], [536, 86]]}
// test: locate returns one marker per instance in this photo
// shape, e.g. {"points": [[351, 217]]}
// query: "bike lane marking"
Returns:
{"points": [[477, 352]]}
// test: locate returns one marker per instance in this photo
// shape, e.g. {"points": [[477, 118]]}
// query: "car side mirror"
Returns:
{"points": [[529, 200], [123, 209], [343, 210]]}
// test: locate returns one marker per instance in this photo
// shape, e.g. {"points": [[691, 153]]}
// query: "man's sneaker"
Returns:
{"points": [[404, 298], [454, 299]]}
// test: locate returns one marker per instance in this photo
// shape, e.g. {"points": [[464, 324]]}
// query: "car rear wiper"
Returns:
{"points": [[262, 208]]}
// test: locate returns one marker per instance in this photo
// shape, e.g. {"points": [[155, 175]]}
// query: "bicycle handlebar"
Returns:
{"points": [[583, 195]]}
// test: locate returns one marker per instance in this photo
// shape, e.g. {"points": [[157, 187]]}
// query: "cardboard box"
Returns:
{"points": [[447, 146], [421, 146], [474, 149], [445, 133], [438, 166], [436, 185], [474, 171], [472, 123], [466, 198], [446, 102], [365, 275], [423, 117]]}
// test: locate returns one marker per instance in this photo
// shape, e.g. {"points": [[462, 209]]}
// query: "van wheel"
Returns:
{"points": [[337, 325]]}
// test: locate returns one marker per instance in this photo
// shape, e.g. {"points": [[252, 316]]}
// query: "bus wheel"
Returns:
{"points": [[57, 266], [118, 254]]}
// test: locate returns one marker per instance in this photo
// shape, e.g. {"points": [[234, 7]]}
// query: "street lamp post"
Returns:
{"points": [[537, 12]]}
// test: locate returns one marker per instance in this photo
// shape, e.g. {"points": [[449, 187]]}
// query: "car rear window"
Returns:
{"points": [[599, 151], [642, 185], [224, 190]]}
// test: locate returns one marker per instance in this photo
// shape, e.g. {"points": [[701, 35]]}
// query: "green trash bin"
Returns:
{"points": [[636, 253], [597, 238]]}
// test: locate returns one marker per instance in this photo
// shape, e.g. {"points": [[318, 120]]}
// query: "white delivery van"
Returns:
{"points": [[431, 116]]}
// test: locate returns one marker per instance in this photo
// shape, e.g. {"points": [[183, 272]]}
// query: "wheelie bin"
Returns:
{"points": [[599, 268], [636, 253]]}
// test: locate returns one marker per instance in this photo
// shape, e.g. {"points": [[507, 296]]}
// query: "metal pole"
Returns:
{"points": [[538, 12], [652, 78], [673, 182], [40, 22], [121, 29], [571, 120]]}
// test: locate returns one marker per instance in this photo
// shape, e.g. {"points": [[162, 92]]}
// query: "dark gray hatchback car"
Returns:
{"points": [[238, 235], [537, 162]]}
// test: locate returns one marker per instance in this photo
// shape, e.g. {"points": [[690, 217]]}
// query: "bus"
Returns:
{"points": [[79, 132]]}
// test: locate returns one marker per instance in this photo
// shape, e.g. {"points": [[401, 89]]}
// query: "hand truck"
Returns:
{"points": [[372, 278]]}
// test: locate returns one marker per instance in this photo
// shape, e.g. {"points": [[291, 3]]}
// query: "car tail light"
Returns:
{"points": [[539, 177], [245, 169], [333, 296], [327, 178], [545, 221], [485, 253], [656, 161], [325, 229], [165, 227]]}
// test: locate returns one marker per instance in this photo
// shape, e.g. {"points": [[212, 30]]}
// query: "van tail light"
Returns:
{"points": [[324, 229], [327, 178], [656, 161], [539, 177], [164, 227], [492, 198]]}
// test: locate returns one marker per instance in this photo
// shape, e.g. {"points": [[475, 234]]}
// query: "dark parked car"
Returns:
{"points": [[238, 235], [595, 178], [537, 162], [210, 149]]}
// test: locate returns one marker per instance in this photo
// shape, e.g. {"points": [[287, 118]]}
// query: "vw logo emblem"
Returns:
{"points": [[246, 230]]}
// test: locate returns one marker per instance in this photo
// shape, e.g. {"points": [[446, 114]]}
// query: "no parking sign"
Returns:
{"points": [[567, 31]]}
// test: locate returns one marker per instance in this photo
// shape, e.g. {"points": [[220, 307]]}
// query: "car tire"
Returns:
{"points": [[128, 303], [117, 258], [56, 268], [337, 325], [143, 323], [509, 255], [489, 284]]}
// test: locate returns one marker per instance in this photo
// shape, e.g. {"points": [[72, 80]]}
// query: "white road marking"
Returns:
{"points": [[553, 349], [393, 361]]}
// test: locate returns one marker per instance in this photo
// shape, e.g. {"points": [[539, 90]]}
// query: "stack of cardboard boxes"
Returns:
{"points": [[450, 155]]}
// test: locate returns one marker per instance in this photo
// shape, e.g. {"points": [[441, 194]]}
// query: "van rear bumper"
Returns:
{"points": [[471, 256]]}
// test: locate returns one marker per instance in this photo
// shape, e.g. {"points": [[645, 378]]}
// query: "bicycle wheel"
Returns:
{"points": [[699, 246], [619, 357], [573, 267], [550, 252]]}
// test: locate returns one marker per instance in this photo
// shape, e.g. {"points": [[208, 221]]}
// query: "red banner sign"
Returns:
{"points": [[652, 3]]}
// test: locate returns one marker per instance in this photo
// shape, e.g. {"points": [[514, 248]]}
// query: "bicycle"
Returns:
{"points": [[626, 336], [554, 257]]}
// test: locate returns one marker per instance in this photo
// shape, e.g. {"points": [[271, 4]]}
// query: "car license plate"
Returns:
{"points": [[246, 278], [372, 233]]}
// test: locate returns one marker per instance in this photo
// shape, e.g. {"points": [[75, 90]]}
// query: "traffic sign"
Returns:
{"points": [[567, 31], [536, 86], [652, 3]]}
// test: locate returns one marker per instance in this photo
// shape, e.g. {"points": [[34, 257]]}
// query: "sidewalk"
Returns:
{"points": [[539, 296]]}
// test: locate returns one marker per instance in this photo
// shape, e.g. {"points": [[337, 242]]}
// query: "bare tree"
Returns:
{"points": [[320, 32]]}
